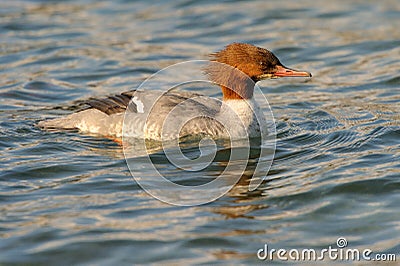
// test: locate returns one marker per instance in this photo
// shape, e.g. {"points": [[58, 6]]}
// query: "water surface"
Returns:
{"points": [[68, 198]]}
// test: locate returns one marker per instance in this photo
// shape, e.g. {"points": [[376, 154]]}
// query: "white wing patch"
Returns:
{"points": [[139, 104]]}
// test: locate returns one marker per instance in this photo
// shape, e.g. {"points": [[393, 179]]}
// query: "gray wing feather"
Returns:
{"points": [[112, 104], [119, 103]]}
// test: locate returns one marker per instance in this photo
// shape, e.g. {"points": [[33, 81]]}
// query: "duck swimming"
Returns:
{"points": [[236, 69]]}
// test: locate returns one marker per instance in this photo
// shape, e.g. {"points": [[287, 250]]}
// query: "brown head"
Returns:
{"points": [[239, 66]]}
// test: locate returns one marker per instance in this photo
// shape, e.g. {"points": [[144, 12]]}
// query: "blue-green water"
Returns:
{"points": [[68, 198]]}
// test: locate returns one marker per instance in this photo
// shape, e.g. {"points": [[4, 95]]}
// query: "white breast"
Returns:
{"points": [[247, 121]]}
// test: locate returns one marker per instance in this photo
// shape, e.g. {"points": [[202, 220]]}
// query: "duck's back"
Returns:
{"points": [[156, 109]]}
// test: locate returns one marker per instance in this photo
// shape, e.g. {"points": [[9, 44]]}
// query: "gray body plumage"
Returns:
{"points": [[146, 114]]}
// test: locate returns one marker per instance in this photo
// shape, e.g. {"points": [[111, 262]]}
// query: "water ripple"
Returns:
{"points": [[66, 196]]}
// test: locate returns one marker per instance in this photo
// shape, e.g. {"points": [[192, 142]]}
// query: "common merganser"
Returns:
{"points": [[213, 117]]}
